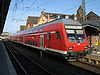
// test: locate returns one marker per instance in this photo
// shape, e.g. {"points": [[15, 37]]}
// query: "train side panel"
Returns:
{"points": [[54, 39]]}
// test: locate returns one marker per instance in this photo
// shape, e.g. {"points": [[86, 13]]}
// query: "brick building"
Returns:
{"points": [[47, 17], [79, 14], [22, 27], [31, 22], [91, 16]]}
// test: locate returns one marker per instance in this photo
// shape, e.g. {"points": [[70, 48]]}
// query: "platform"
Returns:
{"points": [[6, 67]]}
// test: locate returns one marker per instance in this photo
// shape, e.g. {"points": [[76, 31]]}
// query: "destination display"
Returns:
{"points": [[73, 27]]}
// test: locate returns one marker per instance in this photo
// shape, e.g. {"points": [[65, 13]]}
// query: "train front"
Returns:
{"points": [[77, 42]]}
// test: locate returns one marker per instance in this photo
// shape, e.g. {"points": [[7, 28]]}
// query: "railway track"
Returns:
{"points": [[90, 62], [93, 59], [88, 66], [25, 65], [56, 66]]}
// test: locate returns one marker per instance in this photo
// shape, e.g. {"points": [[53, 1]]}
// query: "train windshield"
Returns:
{"points": [[75, 35]]}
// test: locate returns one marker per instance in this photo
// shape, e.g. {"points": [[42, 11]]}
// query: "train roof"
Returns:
{"points": [[61, 20]]}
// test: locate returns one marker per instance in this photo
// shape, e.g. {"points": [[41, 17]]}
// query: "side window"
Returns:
{"points": [[20, 37], [48, 36], [31, 43], [58, 35]]}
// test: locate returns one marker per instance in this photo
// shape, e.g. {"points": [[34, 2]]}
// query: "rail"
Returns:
{"points": [[26, 68]]}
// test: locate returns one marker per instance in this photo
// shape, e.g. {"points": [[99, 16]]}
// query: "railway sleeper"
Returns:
{"points": [[91, 61]]}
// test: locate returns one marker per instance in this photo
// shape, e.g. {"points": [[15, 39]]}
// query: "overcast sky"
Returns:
{"points": [[19, 10]]}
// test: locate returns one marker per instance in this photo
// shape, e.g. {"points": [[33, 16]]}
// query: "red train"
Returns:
{"points": [[62, 36]]}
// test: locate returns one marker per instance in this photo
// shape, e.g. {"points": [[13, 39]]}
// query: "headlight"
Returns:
{"points": [[86, 47], [70, 48]]}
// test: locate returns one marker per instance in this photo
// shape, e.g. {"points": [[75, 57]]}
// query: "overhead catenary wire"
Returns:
{"points": [[67, 9], [39, 7], [25, 7], [28, 8], [42, 8], [32, 5], [14, 9]]}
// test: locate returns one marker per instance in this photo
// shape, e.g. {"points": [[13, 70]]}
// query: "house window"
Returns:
{"points": [[53, 16], [20, 37], [58, 35], [62, 16]]}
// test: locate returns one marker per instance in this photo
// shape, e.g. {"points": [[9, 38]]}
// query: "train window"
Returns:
{"points": [[30, 42], [58, 35], [25, 42], [36, 44], [33, 42], [76, 35], [48, 36], [20, 37], [79, 31]]}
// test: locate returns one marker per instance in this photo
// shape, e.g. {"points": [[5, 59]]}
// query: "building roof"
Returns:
{"points": [[95, 24], [22, 25], [53, 13], [80, 8], [91, 13], [91, 16]]}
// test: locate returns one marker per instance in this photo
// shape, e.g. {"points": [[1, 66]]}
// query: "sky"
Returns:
{"points": [[19, 10]]}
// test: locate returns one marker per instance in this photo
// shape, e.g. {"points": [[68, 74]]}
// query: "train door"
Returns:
{"points": [[41, 41]]}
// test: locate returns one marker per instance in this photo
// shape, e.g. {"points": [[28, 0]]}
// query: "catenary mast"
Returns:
{"points": [[83, 13]]}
